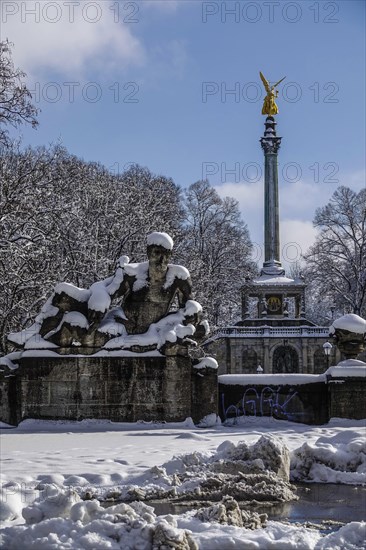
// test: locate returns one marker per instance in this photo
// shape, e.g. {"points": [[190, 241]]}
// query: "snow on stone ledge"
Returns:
{"points": [[79, 294], [347, 368], [160, 239], [270, 379], [10, 360], [207, 362], [350, 322], [36, 342], [21, 337]]}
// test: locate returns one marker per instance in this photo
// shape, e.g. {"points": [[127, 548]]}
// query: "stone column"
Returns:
{"points": [[266, 360], [270, 144], [304, 358]]}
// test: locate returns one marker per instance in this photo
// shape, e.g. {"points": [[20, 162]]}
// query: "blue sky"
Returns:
{"points": [[149, 82]]}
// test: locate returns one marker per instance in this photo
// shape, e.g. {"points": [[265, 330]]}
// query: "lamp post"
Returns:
{"points": [[327, 348]]}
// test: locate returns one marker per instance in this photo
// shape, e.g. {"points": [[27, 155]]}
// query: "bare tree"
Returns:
{"points": [[216, 250], [62, 219], [336, 263], [16, 107]]}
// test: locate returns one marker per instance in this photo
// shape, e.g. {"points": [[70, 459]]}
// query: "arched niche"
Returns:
{"points": [[285, 360]]}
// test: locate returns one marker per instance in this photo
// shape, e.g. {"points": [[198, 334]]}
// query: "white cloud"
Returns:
{"points": [[355, 180], [296, 236], [71, 38], [298, 202], [250, 197]]}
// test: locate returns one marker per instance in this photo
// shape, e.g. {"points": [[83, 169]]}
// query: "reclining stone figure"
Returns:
{"points": [[129, 310]]}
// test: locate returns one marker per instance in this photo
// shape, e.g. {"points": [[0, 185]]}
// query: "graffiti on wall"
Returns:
{"points": [[265, 402]]}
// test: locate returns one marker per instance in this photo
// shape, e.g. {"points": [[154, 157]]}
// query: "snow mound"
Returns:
{"points": [[338, 459], [88, 526], [53, 502], [257, 472], [349, 537], [209, 421]]}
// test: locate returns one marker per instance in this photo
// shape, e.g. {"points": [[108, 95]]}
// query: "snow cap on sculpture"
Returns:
{"points": [[349, 335], [350, 322], [160, 239]]}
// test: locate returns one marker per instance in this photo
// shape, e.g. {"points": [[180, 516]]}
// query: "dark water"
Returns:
{"points": [[318, 502], [323, 501]]}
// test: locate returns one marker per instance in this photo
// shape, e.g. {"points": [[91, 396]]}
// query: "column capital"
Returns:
{"points": [[270, 146], [270, 143]]}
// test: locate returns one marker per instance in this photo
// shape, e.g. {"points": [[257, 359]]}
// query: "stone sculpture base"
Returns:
{"points": [[121, 389], [347, 397]]}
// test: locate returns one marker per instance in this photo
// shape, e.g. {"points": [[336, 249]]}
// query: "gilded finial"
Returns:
{"points": [[269, 104]]}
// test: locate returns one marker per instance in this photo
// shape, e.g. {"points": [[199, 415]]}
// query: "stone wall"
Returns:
{"points": [[9, 412], [347, 397], [122, 389], [305, 403], [308, 403]]}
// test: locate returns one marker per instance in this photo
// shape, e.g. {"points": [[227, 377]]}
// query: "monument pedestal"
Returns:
{"points": [[117, 388]]}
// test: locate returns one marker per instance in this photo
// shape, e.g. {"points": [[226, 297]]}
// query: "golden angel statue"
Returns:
{"points": [[269, 104]]}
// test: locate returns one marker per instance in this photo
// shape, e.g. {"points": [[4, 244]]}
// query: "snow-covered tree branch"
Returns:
{"points": [[336, 263]]}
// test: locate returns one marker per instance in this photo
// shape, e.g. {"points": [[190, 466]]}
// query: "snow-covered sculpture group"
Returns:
{"points": [[131, 310]]}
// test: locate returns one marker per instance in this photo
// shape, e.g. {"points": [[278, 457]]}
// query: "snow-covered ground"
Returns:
{"points": [[52, 463]]}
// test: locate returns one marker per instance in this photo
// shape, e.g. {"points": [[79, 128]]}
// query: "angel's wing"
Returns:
{"points": [[279, 82], [265, 82]]}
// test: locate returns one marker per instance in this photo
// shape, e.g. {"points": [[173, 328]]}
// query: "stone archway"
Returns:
{"points": [[285, 360]]}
